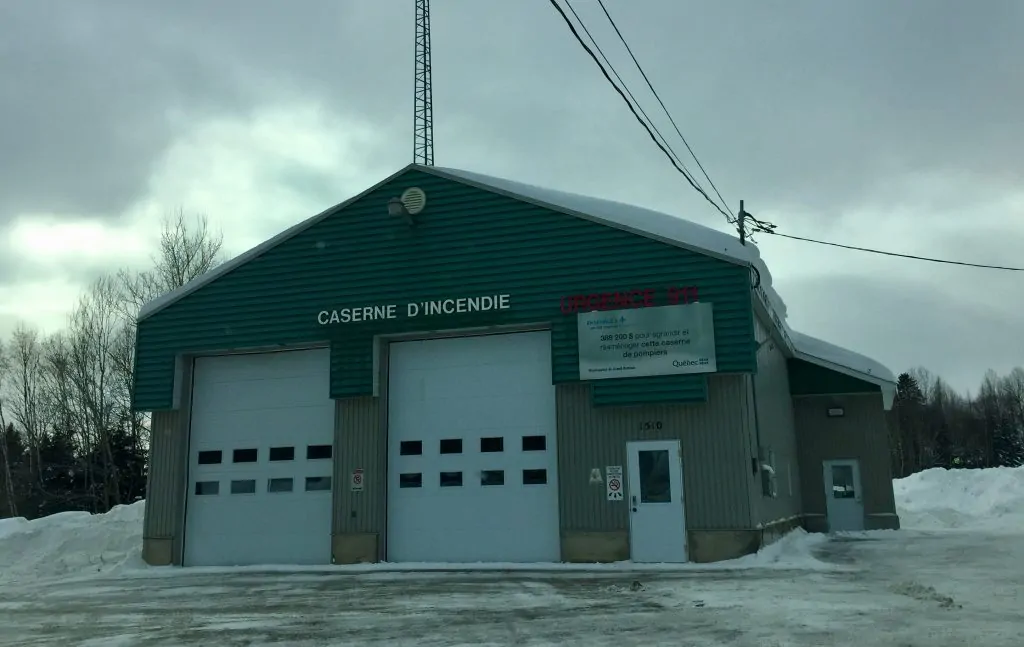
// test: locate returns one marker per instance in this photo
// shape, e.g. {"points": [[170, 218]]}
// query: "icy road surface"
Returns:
{"points": [[906, 589]]}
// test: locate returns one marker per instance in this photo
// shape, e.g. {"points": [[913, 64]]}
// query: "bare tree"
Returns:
{"points": [[25, 369], [12, 504], [187, 250]]}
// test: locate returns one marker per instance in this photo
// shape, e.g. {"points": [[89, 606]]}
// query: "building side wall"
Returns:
{"points": [[162, 529], [360, 437], [776, 431], [715, 456], [861, 434], [467, 242]]}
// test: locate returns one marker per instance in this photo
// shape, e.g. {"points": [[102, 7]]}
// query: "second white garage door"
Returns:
{"points": [[472, 466], [260, 460]]}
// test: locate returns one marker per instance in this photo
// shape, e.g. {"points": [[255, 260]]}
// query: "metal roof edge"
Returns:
{"points": [[585, 216], [154, 306]]}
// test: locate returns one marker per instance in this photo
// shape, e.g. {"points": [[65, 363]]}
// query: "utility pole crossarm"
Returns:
{"points": [[423, 110]]}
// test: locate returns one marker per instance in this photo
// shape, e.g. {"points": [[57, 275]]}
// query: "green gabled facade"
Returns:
{"points": [[468, 242]]}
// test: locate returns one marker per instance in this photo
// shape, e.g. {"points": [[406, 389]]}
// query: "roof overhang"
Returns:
{"points": [[888, 388]]}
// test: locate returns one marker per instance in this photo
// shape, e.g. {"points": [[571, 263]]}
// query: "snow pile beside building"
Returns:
{"points": [[71, 544], [983, 499]]}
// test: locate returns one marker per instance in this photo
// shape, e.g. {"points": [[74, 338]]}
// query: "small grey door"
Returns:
{"points": [[843, 496]]}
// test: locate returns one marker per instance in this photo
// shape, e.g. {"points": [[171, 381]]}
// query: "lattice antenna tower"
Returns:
{"points": [[423, 110]]}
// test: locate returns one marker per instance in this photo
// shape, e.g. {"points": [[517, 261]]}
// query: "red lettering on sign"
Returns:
{"points": [[685, 294], [646, 298]]}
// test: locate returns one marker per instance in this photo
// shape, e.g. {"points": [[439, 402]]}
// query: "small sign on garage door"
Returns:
{"points": [[357, 480]]}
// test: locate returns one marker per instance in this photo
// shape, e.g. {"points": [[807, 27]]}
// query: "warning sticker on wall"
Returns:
{"points": [[613, 486], [357, 480], [595, 476]]}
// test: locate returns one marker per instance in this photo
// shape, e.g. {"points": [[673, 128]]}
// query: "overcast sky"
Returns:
{"points": [[894, 125]]}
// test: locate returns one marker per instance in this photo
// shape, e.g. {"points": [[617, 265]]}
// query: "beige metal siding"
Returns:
{"points": [[168, 465], [361, 443], [776, 431], [860, 434], [714, 440]]}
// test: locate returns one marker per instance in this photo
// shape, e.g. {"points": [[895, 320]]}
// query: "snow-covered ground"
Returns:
{"points": [[77, 580]]}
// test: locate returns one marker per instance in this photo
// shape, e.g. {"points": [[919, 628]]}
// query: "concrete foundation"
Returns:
{"points": [[591, 547], [354, 548], [158, 551]]}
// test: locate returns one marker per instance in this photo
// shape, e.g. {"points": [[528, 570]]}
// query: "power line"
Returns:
{"points": [[593, 56], [628, 92], [898, 255], [662, 103]]}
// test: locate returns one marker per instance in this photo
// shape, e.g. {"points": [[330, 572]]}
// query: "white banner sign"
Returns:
{"points": [[643, 342]]}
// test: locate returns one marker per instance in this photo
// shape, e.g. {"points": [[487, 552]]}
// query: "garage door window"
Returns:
{"points": [[492, 477], [535, 443], [207, 488], [535, 477], [282, 453], [279, 485], [318, 452], [410, 480], [451, 479], [211, 457], [245, 455], [451, 446], [411, 448], [491, 445], [248, 486], [318, 483]]}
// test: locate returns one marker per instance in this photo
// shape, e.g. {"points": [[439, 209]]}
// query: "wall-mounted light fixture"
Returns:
{"points": [[836, 412]]}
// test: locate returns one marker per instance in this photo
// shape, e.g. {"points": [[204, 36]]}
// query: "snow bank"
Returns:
{"points": [[71, 544], [969, 499]]}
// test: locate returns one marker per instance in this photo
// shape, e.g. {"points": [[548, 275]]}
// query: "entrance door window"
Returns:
{"points": [[655, 477], [657, 525]]}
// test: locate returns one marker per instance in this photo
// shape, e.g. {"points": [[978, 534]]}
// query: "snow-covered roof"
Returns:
{"points": [[820, 352], [638, 220]]}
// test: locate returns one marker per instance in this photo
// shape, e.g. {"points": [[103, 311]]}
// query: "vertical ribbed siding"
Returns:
{"points": [[776, 430], [861, 434], [714, 439], [468, 242], [361, 444], [168, 464], [165, 480]]}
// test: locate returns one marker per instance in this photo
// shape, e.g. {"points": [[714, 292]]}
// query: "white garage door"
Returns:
{"points": [[260, 460], [472, 468]]}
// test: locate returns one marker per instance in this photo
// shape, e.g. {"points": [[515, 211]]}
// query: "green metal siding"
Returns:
{"points": [[809, 379], [467, 242], [678, 389]]}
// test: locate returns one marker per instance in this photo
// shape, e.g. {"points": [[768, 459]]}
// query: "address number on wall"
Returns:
{"points": [[650, 425]]}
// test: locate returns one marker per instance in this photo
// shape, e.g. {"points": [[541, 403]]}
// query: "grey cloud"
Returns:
{"points": [[807, 106], [906, 323]]}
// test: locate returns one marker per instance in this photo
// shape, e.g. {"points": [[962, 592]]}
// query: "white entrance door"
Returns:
{"points": [[472, 462], [260, 460], [843, 496], [657, 520]]}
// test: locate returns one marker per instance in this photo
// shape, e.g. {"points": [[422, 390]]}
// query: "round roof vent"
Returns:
{"points": [[414, 200]]}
